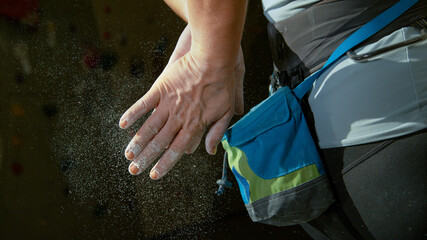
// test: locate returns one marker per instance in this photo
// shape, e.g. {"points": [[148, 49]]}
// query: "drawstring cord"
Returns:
{"points": [[223, 183]]}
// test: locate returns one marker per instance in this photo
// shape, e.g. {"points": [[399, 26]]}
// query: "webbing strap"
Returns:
{"points": [[357, 37]]}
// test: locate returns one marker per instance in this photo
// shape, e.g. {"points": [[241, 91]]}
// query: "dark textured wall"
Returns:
{"points": [[64, 83]]}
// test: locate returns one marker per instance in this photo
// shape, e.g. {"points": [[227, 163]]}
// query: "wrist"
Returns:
{"points": [[207, 72], [216, 29], [219, 55], [208, 61]]}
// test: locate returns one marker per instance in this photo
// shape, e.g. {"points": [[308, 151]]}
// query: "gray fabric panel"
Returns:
{"points": [[312, 35], [293, 206]]}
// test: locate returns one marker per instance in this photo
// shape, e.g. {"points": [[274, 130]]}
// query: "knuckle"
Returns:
{"points": [[154, 147], [142, 104], [174, 149], [128, 114], [152, 129], [174, 154], [194, 126]]}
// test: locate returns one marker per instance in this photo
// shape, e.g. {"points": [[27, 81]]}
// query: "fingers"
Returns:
{"points": [[146, 133], [216, 132], [172, 155], [195, 142], [142, 106], [153, 149]]}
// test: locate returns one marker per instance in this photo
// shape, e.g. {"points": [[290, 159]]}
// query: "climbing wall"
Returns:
{"points": [[52, 91]]}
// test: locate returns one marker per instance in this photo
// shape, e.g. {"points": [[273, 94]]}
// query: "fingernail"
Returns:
{"points": [[123, 123], [214, 149], [130, 155], [154, 174], [134, 168], [132, 150]]}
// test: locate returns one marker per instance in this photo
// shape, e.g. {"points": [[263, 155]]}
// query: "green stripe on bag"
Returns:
{"points": [[259, 187]]}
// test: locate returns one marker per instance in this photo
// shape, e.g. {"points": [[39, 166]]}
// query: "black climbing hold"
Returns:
{"points": [[20, 78], [108, 60], [66, 165], [50, 110], [101, 211], [67, 190], [72, 28], [161, 45], [137, 67], [132, 204]]}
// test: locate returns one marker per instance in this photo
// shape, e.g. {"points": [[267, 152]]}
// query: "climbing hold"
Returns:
{"points": [[108, 60], [106, 35], [161, 45], [72, 28], [107, 9], [20, 78], [49, 110], [101, 211], [136, 67], [132, 204], [18, 110], [150, 20], [16, 168], [67, 190], [17, 141], [66, 165], [91, 58]]}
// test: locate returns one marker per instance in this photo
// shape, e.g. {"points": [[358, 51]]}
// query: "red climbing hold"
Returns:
{"points": [[106, 35], [91, 58], [16, 168], [17, 141], [107, 9]]}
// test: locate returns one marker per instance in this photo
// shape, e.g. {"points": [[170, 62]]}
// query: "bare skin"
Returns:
{"points": [[200, 89]]}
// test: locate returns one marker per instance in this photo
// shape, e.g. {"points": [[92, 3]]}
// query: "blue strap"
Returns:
{"points": [[357, 37]]}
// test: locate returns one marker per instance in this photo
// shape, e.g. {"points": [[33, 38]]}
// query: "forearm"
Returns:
{"points": [[179, 7], [216, 28]]}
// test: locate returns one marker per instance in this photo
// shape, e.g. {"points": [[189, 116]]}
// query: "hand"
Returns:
{"points": [[189, 96], [183, 46]]}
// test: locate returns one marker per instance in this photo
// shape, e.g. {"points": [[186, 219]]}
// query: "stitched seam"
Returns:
{"points": [[290, 192], [367, 155], [410, 74]]}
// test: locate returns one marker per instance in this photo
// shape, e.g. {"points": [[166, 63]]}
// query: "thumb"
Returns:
{"points": [[182, 46]]}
